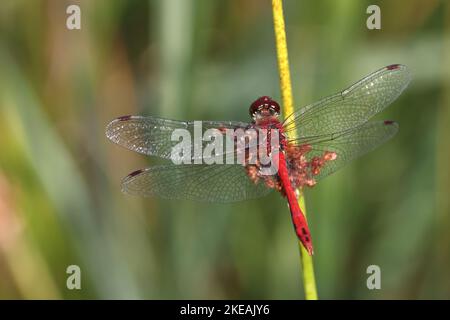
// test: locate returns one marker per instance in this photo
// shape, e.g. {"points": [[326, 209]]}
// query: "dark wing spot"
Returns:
{"points": [[304, 231], [393, 67], [135, 173], [124, 118], [306, 239]]}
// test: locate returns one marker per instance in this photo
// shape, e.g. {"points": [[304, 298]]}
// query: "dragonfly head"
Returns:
{"points": [[264, 107]]}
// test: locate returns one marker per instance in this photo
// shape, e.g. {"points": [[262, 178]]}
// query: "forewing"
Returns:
{"points": [[208, 183], [153, 136], [352, 144], [351, 107]]}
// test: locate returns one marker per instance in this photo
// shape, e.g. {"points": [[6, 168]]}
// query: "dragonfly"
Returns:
{"points": [[314, 142]]}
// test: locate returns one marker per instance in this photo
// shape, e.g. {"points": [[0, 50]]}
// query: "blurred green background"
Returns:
{"points": [[60, 199]]}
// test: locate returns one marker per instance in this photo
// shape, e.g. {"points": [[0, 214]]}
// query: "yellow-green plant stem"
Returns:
{"points": [[309, 281]]}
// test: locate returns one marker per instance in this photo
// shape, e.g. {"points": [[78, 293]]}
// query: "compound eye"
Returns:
{"points": [[275, 107], [253, 109], [258, 103]]}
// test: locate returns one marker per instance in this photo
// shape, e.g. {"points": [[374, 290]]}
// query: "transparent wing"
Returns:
{"points": [[352, 144], [153, 136], [351, 107], [209, 183]]}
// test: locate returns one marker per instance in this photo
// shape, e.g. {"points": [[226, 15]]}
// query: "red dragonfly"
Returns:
{"points": [[329, 134]]}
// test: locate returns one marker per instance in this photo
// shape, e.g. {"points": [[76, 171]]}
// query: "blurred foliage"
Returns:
{"points": [[60, 199]]}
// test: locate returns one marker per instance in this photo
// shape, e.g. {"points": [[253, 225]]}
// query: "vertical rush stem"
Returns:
{"points": [[309, 280]]}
